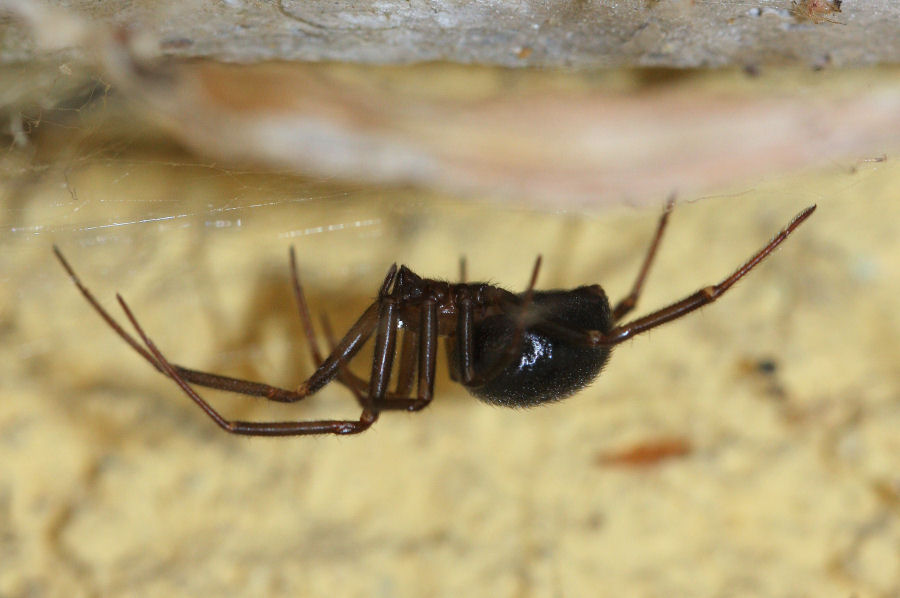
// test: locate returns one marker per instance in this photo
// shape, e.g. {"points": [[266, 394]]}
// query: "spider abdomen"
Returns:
{"points": [[545, 368]]}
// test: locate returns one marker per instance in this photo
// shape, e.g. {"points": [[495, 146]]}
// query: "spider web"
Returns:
{"points": [[137, 212]]}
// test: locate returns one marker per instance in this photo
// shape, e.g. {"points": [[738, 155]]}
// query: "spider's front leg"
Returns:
{"points": [[705, 295]]}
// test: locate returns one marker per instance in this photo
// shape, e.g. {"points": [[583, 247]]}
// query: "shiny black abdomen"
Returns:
{"points": [[549, 368]]}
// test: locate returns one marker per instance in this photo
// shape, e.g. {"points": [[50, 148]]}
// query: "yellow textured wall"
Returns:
{"points": [[113, 483]]}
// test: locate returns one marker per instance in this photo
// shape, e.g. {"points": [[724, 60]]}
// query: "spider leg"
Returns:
{"points": [[345, 376], [328, 368], [448, 348], [406, 370], [629, 301], [428, 342], [703, 296], [448, 341], [335, 363], [385, 347], [382, 362], [236, 385], [465, 330], [281, 428], [303, 309], [358, 386], [110, 321], [202, 378], [427, 363], [678, 309], [344, 373]]}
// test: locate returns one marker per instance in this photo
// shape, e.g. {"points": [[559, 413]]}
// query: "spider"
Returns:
{"points": [[514, 350]]}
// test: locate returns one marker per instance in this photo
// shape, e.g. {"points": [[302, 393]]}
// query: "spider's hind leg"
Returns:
{"points": [[629, 302], [214, 381], [280, 428], [184, 377]]}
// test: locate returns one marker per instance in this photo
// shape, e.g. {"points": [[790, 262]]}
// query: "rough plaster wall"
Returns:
{"points": [[113, 484]]}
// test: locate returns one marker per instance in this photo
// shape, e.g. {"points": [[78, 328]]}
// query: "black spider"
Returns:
{"points": [[515, 350]]}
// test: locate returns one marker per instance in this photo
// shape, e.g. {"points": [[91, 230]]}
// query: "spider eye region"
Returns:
{"points": [[545, 367]]}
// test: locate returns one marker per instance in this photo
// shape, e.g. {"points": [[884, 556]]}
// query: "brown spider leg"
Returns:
{"points": [[326, 370], [703, 296], [448, 348], [282, 428], [343, 372], [344, 377], [465, 332], [628, 303], [358, 386], [239, 386], [428, 342], [448, 341], [385, 347], [303, 309], [350, 344], [406, 370], [309, 331], [680, 308], [110, 321], [427, 362]]}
